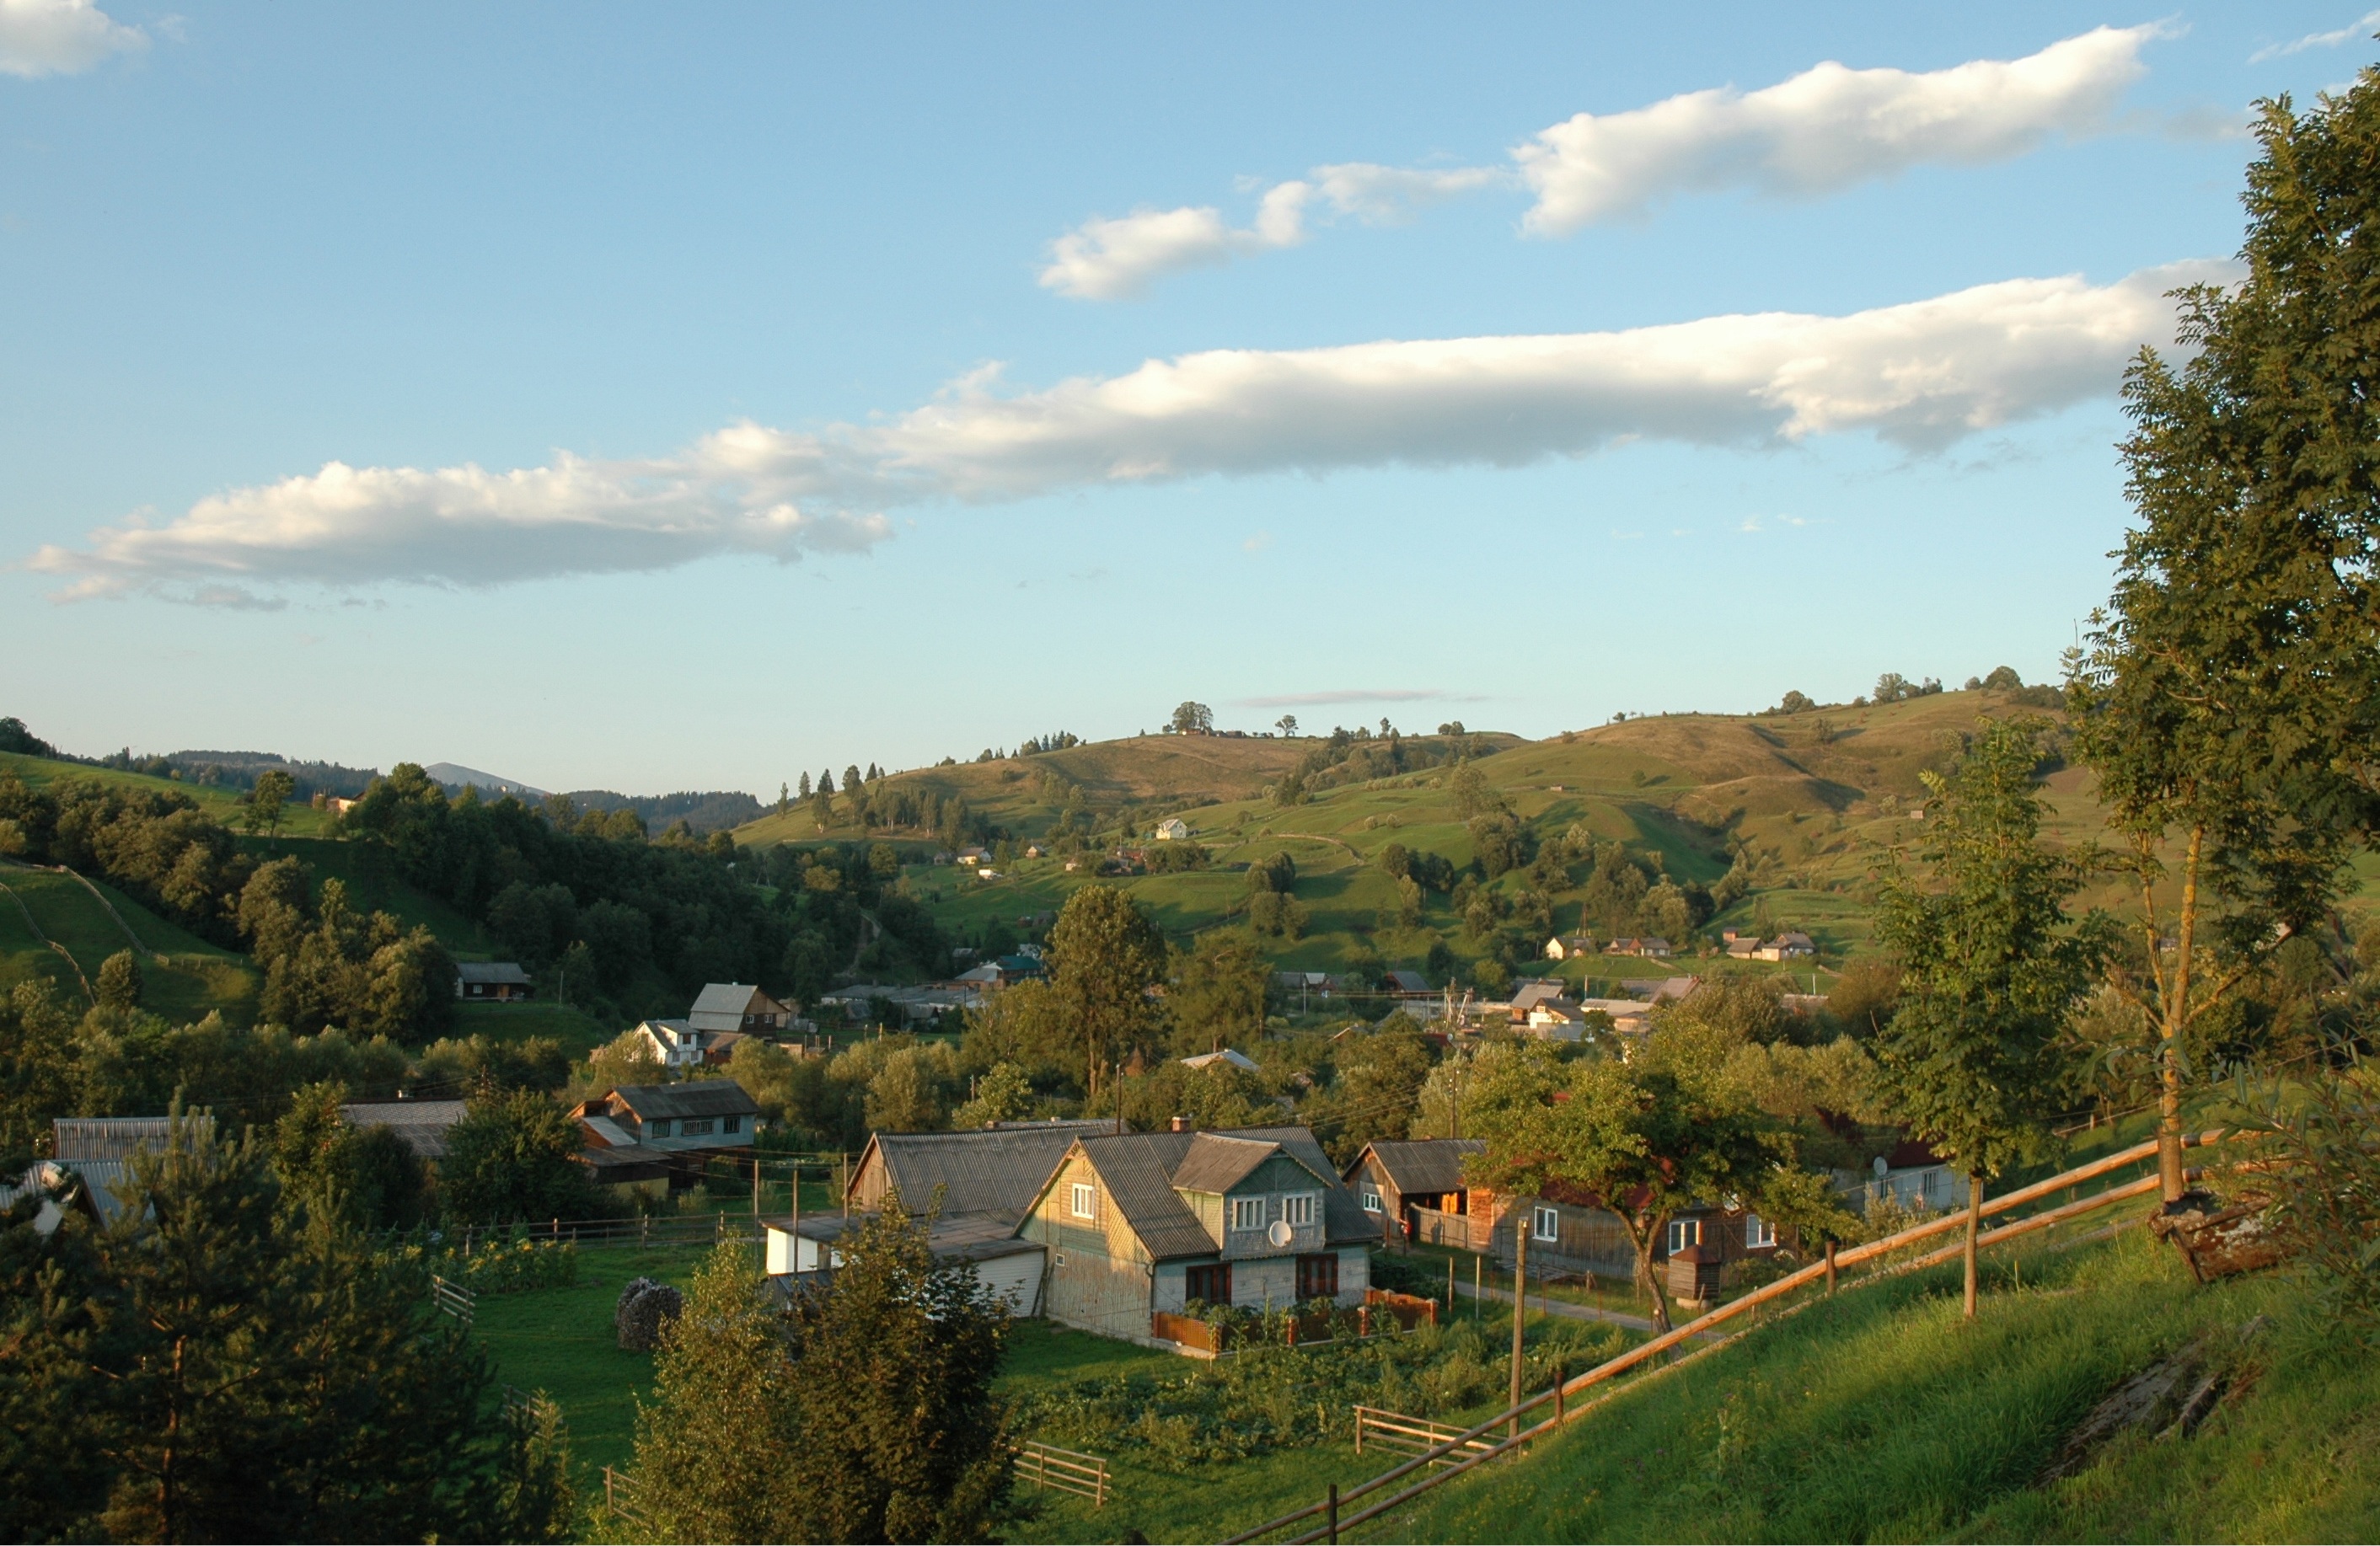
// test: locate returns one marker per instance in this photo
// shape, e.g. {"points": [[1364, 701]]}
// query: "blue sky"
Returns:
{"points": [[720, 392]]}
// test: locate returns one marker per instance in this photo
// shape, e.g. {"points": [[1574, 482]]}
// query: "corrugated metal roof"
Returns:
{"points": [[998, 1171], [613, 1135], [1423, 1163], [113, 1138], [423, 1124], [723, 998], [699, 1097], [495, 974]]}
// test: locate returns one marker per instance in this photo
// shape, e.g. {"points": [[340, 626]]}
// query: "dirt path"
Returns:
{"points": [[101, 897]]}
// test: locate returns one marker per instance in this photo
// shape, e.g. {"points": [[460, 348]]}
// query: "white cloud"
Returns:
{"points": [[1920, 374], [2361, 27], [347, 526], [1825, 129], [60, 37], [1111, 259]]}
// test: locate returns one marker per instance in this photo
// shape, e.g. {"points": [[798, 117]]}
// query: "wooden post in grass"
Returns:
{"points": [[1830, 1266], [1974, 1223], [1475, 1262], [1331, 1531], [1519, 1308], [1450, 1289]]}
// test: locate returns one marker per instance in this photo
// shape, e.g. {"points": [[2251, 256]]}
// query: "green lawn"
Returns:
{"points": [[194, 978], [578, 1032], [562, 1341]]}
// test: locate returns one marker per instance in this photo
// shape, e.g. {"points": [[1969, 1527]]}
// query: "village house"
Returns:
{"points": [[1788, 946], [1395, 1179], [1142, 1223], [1554, 1019], [637, 1130], [493, 981], [1173, 829], [1651, 946], [1408, 985], [676, 1043], [1225, 1056], [740, 1007], [1568, 946], [89, 1157]]}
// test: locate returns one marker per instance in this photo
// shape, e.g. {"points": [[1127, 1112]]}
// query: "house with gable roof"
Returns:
{"points": [[1139, 1224]]}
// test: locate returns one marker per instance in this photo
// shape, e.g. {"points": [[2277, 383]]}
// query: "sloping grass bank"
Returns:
{"points": [[1880, 1416]]}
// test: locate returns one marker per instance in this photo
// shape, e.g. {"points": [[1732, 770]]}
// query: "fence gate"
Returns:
{"points": [[1063, 1470], [1407, 1435], [453, 1298], [620, 1497]]}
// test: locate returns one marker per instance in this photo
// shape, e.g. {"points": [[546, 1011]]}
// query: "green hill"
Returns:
{"points": [[1878, 1415], [219, 804]]}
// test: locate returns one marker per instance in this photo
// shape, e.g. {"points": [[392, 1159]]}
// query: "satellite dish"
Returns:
{"points": [[1279, 1233], [1881, 1166]]}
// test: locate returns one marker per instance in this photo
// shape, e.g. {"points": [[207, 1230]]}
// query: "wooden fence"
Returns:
{"points": [[1065, 1470], [453, 1298], [1432, 1227], [1411, 1435], [620, 1497], [1460, 1452]]}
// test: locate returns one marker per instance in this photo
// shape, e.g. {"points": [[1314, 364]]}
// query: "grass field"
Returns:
{"points": [[1878, 1415], [578, 1033], [222, 804], [368, 872], [193, 978]]}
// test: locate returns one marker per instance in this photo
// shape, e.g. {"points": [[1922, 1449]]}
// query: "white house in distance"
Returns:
{"points": [[1173, 829], [675, 1041]]}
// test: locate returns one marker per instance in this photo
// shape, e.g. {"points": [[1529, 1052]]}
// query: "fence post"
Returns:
{"points": [[1359, 1429], [1332, 1528], [1830, 1266], [1561, 1378]]}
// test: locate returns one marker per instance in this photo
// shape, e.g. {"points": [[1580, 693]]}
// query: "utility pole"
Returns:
{"points": [[1520, 1306]]}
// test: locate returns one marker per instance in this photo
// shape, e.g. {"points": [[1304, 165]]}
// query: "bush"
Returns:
{"points": [[645, 1307]]}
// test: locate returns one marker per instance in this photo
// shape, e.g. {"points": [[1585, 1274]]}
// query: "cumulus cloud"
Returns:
{"points": [[1825, 129], [60, 37], [1920, 374], [1111, 259], [347, 526], [2361, 27]]}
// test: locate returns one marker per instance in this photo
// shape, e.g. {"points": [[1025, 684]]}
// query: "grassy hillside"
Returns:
{"points": [[1814, 803], [1878, 1415], [184, 976], [222, 804]]}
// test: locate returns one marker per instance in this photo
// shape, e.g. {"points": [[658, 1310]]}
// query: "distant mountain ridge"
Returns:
{"points": [[452, 777], [703, 811]]}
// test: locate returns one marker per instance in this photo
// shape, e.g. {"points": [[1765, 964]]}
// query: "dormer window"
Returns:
{"points": [[1300, 1208], [1247, 1213]]}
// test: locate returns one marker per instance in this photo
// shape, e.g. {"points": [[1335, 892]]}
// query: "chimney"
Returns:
{"points": [[1181, 1123]]}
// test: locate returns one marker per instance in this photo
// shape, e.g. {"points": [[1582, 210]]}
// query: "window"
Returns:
{"points": [[658, 1127], [694, 1126], [1084, 1202], [1247, 1213], [1758, 1232], [1545, 1224], [731, 1124], [1684, 1232], [1372, 1200], [1298, 1208], [1318, 1276], [1211, 1284]]}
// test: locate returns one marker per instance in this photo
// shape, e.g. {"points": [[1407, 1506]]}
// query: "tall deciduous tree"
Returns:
{"points": [[512, 1157], [2228, 697], [1104, 955], [1991, 968]]}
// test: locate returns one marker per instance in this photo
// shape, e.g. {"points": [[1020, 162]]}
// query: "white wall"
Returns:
{"points": [[1017, 1279], [1171, 1289]]}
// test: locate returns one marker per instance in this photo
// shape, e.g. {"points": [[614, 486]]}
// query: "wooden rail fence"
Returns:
{"points": [[1460, 1452], [1409, 1435], [453, 1298], [1065, 1470], [620, 1497]]}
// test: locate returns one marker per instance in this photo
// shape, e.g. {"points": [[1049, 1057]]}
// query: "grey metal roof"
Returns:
{"points": [[1422, 1164], [423, 1124], [113, 1138], [986, 1170], [1140, 1171], [968, 1237], [698, 1097], [495, 974], [723, 998], [1217, 1163]]}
